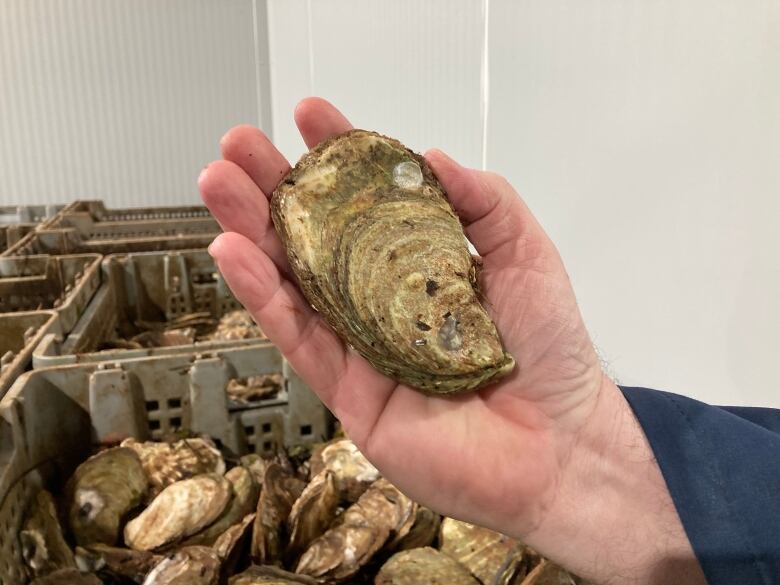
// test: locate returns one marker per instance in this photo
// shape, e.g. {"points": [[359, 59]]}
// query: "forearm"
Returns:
{"points": [[612, 519]]}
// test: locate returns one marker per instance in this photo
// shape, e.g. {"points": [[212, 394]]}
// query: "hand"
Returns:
{"points": [[511, 456]]}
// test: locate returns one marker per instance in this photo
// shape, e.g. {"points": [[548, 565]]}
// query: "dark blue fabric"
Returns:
{"points": [[722, 467]]}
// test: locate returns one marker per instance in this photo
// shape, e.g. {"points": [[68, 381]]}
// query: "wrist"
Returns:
{"points": [[611, 517]]}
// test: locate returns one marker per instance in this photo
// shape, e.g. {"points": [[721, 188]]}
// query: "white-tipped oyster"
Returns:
{"points": [[191, 565], [313, 511], [352, 471], [44, 549], [166, 463], [378, 250], [423, 565], [244, 502], [180, 510], [101, 492], [487, 554], [380, 515]]}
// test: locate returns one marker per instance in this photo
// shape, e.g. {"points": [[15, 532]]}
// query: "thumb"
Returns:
{"points": [[495, 218]]}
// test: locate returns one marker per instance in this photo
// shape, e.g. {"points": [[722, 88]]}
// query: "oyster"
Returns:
{"points": [[245, 494], [44, 549], [313, 511], [378, 250], [70, 576], [269, 575], [117, 563], [364, 528], [482, 551], [191, 565], [423, 565], [101, 492], [180, 510], [236, 324], [256, 465], [422, 531], [232, 544], [166, 463], [280, 490], [548, 573], [243, 391], [352, 471]]}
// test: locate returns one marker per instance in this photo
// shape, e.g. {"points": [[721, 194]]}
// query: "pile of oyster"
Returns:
{"points": [[182, 512], [186, 330], [378, 250]]}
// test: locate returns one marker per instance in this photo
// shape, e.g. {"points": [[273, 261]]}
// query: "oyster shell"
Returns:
{"points": [[166, 463], [364, 528], [378, 250], [423, 565], [483, 552], [191, 565], [280, 490], [180, 510], [244, 391], [244, 501], [422, 532], [233, 544], [70, 576], [269, 575], [352, 471], [313, 511], [101, 492], [256, 465], [117, 563], [548, 573], [236, 324], [44, 549]]}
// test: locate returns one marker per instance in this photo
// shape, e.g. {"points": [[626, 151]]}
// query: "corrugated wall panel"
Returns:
{"points": [[408, 68], [646, 137], [123, 101]]}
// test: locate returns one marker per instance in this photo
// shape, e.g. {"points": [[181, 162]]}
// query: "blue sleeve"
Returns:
{"points": [[722, 468]]}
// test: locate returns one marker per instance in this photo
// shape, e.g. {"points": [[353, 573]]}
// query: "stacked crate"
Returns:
{"points": [[70, 276]]}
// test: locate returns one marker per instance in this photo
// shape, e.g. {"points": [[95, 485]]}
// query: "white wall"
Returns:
{"points": [[119, 100], [645, 136]]}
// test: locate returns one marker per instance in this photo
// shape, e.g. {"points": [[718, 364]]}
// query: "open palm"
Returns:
{"points": [[495, 456]]}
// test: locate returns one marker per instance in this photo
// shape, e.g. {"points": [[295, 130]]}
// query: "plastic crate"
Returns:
{"points": [[20, 333], [64, 283], [12, 233], [79, 233], [49, 418], [152, 286], [99, 212], [12, 214]]}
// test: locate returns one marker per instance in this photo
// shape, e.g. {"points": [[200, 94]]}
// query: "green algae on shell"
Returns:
{"points": [[378, 250]]}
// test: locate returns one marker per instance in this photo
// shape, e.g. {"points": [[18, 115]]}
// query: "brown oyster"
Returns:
{"points": [[548, 573], [244, 391], [421, 532], [380, 515], [44, 549], [166, 463], [232, 545], [280, 490], [70, 576], [378, 250], [244, 502], [269, 575], [191, 565], [352, 471], [313, 511], [101, 492], [180, 510], [423, 565], [234, 325], [489, 555], [115, 563]]}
